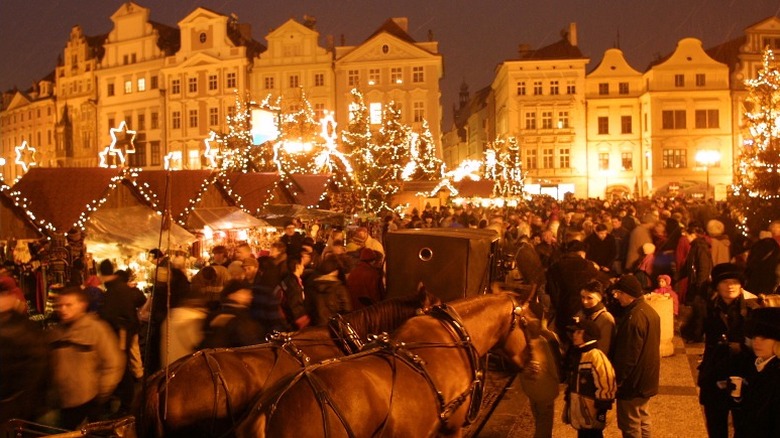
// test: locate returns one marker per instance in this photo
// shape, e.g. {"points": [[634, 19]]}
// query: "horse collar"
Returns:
{"points": [[344, 335]]}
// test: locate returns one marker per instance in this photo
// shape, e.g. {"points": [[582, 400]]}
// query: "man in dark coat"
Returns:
{"points": [[762, 262], [761, 390], [23, 362], [636, 357], [697, 269], [601, 248], [565, 279]]}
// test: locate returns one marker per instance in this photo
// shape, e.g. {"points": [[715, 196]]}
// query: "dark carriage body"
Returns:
{"points": [[453, 263]]}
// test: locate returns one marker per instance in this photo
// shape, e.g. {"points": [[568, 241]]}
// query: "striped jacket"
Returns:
{"points": [[591, 387]]}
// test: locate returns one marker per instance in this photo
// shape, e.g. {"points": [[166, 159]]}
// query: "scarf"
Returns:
{"points": [[592, 310]]}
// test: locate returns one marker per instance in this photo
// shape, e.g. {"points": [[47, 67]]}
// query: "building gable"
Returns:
{"points": [[613, 64], [385, 47]]}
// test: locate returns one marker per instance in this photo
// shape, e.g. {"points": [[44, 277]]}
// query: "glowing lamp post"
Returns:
{"points": [[707, 158]]}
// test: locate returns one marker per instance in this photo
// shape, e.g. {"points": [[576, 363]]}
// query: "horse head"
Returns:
{"points": [[524, 326]]}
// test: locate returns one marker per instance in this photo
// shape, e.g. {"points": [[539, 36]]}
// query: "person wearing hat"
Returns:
{"points": [[725, 351], [590, 381], [365, 280], [636, 356], [292, 239], [565, 280], [593, 309], [761, 388], [232, 325]]}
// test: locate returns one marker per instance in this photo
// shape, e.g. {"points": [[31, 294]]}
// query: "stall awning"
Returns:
{"points": [[278, 215], [131, 230], [223, 218]]}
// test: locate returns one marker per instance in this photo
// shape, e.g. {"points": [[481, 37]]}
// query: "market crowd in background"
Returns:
{"points": [[593, 264]]}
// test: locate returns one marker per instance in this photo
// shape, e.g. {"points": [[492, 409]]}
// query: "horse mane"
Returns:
{"points": [[386, 315]]}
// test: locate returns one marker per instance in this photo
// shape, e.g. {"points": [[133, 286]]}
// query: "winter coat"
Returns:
{"points": [[329, 297], [86, 361], [529, 264], [565, 279], [697, 268], [636, 353], [606, 324], [120, 306], [761, 402], [590, 386], [639, 236], [603, 252], [365, 285], [541, 384], [291, 294], [231, 326], [720, 249], [724, 325], [23, 367], [760, 266]]}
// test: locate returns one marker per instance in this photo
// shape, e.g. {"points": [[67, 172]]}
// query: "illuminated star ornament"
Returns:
{"points": [[25, 156], [122, 144], [172, 161], [211, 153]]}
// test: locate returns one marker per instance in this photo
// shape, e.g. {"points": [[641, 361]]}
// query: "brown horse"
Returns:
{"points": [[427, 382], [209, 391]]}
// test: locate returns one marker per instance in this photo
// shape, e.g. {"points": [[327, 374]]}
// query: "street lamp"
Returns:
{"points": [[707, 158]]}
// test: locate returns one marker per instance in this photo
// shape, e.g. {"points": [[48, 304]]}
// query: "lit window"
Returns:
{"points": [[418, 74], [418, 111], [128, 86], [627, 160], [396, 75], [603, 160], [675, 159], [373, 76], [141, 84], [353, 78], [375, 113], [563, 120]]}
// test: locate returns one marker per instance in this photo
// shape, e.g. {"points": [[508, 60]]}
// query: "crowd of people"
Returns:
{"points": [[593, 266]]}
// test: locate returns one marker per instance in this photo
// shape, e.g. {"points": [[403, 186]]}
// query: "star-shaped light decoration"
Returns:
{"points": [[111, 158], [172, 161], [25, 156], [122, 139], [212, 153]]}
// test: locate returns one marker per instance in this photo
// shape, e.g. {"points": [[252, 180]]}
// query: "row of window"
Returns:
{"points": [[140, 85], [548, 158], [375, 110], [626, 125], [546, 118], [293, 81], [626, 161], [212, 83], [375, 76], [11, 142], [536, 88], [703, 119], [11, 118], [700, 79]]}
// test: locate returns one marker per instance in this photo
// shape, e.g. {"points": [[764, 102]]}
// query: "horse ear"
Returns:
{"points": [[421, 290]]}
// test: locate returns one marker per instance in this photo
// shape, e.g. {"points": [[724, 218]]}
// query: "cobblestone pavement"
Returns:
{"points": [[674, 412]]}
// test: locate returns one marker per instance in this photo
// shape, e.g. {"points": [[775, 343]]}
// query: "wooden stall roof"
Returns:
{"points": [[251, 191], [475, 189], [307, 190], [189, 189], [14, 223], [58, 199]]}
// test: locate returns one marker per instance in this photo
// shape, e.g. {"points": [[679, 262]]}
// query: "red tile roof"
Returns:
{"points": [[14, 223], [251, 191], [186, 187], [471, 189], [308, 189]]}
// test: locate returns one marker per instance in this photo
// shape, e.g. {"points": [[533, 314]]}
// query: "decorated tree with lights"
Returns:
{"points": [[237, 141], [425, 163], [503, 166], [373, 165], [757, 180], [299, 139], [391, 148]]}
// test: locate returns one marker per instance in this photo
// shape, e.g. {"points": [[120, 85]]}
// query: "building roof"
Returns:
{"points": [[241, 35], [562, 49], [169, 38], [475, 189], [391, 26], [308, 190], [728, 52], [59, 198]]}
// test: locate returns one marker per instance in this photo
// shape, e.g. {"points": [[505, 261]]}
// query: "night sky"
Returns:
{"points": [[473, 35]]}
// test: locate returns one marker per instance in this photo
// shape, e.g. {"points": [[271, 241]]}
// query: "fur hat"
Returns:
{"points": [[764, 322], [628, 284], [715, 228], [726, 271]]}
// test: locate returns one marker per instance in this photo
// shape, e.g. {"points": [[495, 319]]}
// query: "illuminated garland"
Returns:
{"points": [[756, 192]]}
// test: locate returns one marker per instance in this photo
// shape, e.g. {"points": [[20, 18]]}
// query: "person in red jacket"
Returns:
{"points": [[365, 281]]}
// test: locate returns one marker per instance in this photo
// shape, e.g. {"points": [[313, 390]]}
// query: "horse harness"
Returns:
{"points": [[381, 344]]}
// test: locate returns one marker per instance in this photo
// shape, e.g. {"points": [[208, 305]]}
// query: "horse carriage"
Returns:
{"points": [[351, 378]]}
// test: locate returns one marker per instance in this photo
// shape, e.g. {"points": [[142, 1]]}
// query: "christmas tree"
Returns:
{"points": [[756, 192], [503, 166], [425, 162], [299, 139], [237, 142]]}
